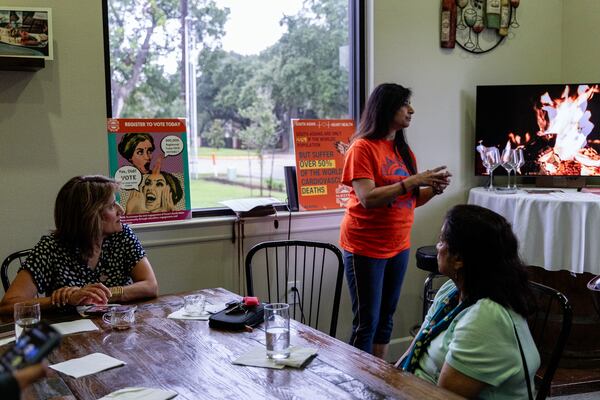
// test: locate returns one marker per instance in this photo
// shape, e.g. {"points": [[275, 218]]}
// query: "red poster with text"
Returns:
{"points": [[320, 146]]}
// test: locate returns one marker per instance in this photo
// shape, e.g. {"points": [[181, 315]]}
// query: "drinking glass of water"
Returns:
{"points": [[27, 316], [277, 329]]}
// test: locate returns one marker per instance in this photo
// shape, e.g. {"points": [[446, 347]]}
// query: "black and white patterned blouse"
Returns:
{"points": [[53, 266]]}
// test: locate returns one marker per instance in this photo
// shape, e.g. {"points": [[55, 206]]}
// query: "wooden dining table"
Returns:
{"points": [[188, 357]]}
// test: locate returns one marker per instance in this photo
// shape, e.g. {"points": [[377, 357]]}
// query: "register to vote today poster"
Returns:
{"points": [[148, 157]]}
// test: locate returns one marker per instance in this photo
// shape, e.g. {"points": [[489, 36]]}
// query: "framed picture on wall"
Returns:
{"points": [[26, 32]]}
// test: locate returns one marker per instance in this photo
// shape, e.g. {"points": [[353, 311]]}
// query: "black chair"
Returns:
{"points": [[305, 274], [19, 256], [427, 261], [550, 326]]}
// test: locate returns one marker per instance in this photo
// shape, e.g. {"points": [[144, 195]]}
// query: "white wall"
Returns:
{"points": [[581, 47], [52, 127]]}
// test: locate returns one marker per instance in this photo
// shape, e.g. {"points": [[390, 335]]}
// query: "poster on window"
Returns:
{"points": [[148, 157], [26, 32], [320, 145]]}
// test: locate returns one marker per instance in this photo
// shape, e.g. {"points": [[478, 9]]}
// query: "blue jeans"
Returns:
{"points": [[374, 289]]}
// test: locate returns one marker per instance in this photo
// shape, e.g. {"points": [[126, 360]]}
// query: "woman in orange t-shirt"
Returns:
{"points": [[375, 231]]}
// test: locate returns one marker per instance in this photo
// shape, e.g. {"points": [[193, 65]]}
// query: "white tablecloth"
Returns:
{"points": [[556, 230]]}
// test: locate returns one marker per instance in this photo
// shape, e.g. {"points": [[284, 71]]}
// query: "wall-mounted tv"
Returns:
{"points": [[557, 125]]}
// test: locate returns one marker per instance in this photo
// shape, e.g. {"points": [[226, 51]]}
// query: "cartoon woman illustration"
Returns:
{"points": [[137, 148], [160, 192]]}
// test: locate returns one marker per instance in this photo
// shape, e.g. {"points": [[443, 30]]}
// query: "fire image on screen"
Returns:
{"points": [[555, 125]]}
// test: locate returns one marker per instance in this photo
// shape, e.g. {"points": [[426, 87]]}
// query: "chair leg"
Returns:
{"points": [[427, 294]]}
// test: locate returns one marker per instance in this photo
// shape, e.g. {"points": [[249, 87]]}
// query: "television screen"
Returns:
{"points": [[556, 125]]}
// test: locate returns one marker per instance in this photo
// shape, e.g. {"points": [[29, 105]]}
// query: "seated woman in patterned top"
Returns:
{"points": [[89, 258]]}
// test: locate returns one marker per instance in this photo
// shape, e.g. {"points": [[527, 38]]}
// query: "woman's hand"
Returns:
{"points": [[31, 374], [437, 176], [95, 293], [135, 203], [60, 297], [166, 200]]}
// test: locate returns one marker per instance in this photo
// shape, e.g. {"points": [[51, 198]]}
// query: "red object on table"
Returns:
{"points": [[250, 301]]}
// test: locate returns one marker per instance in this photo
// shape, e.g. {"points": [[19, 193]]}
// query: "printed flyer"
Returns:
{"points": [[320, 147], [149, 159]]}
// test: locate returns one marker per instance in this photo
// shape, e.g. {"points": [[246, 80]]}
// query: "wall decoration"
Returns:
{"points": [[481, 25], [320, 146], [148, 157], [26, 32]]}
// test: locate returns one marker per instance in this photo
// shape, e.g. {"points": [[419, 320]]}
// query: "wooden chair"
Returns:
{"points": [[550, 326], [19, 256], [305, 274]]}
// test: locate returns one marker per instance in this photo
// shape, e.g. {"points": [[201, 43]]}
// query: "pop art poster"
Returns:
{"points": [[148, 157]]}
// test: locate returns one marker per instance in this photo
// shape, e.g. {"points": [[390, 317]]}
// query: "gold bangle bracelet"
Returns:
{"points": [[116, 291]]}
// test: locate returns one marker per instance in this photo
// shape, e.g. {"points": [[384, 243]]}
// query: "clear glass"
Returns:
{"points": [[122, 317], [277, 330], [27, 316], [195, 305], [491, 161], [518, 160], [508, 163]]}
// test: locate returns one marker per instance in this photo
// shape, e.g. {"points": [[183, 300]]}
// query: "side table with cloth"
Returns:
{"points": [[556, 230]]}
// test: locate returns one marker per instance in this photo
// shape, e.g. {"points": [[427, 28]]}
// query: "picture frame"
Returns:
{"points": [[26, 32]]}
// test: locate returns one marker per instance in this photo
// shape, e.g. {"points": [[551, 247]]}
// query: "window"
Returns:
{"points": [[238, 71]]}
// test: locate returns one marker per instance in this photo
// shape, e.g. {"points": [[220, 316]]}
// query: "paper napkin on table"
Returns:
{"points": [[140, 393], [6, 340], [210, 308], [87, 365], [257, 357], [65, 328], [79, 325]]}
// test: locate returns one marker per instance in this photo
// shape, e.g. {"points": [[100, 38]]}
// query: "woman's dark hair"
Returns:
{"points": [[129, 142], [485, 243], [175, 185], [78, 212], [378, 115]]}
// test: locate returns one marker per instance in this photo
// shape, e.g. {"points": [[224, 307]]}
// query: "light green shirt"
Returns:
{"points": [[480, 343]]}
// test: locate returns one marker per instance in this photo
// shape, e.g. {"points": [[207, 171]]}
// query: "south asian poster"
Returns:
{"points": [[148, 157], [320, 145]]}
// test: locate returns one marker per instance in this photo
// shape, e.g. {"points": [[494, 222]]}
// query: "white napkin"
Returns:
{"points": [[79, 325], [87, 365], [210, 308], [4, 341], [257, 357], [65, 328], [139, 393]]}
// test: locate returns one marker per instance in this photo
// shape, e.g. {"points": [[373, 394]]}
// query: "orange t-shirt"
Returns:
{"points": [[379, 232]]}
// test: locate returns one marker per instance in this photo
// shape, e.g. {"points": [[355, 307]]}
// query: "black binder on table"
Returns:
{"points": [[291, 187]]}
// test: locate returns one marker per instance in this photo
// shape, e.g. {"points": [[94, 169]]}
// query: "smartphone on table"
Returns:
{"points": [[30, 348]]}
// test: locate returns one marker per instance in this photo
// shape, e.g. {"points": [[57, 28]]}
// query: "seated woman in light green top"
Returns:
{"points": [[467, 343]]}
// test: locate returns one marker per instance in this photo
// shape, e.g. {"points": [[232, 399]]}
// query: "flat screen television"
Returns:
{"points": [[556, 125]]}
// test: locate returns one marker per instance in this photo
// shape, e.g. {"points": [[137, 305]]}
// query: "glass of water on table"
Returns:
{"points": [[277, 329], [27, 315]]}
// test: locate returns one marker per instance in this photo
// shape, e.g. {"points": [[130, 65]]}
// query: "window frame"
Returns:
{"points": [[357, 79]]}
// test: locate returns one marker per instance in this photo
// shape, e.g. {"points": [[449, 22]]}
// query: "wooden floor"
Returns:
{"points": [[569, 381]]}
